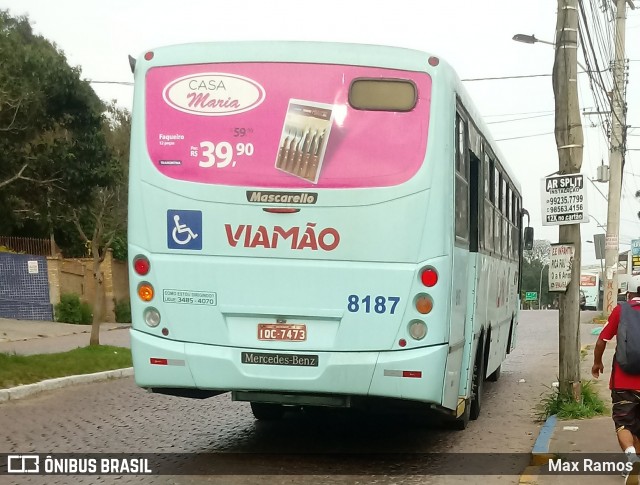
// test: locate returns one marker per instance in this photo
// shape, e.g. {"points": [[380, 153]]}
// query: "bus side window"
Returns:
{"points": [[488, 206], [514, 227], [503, 216], [476, 194], [461, 183], [497, 217], [507, 221]]}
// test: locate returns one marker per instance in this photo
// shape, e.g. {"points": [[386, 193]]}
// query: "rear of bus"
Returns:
{"points": [[290, 223]]}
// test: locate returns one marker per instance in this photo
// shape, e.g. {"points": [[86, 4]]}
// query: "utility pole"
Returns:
{"points": [[569, 140], [616, 154]]}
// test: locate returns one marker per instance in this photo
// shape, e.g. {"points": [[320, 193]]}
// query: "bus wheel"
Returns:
{"points": [[496, 374], [266, 411], [477, 382]]}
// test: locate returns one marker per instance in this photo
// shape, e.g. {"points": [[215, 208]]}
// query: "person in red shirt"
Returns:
{"points": [[625, 391]]}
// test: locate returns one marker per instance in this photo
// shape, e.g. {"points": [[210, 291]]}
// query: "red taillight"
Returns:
{"points": [[434, 61], [141, 265], [156, 361], [412, 373], [429, 277], [148, 56]]}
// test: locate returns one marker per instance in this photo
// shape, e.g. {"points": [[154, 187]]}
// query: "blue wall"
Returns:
{"points": [[24, 295]]}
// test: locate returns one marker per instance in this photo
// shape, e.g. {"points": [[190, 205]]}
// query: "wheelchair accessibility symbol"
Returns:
{"points": [[184, 229]]}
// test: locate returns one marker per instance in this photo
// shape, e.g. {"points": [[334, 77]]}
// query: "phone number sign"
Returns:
{"points": [[564, 200]]}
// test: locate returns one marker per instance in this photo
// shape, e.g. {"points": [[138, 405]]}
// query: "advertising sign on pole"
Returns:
{"points": [[564, 200], [611, 241], [561, 260], [635, 257]]}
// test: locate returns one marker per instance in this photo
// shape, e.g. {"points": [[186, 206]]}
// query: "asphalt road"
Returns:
{"points": [[329, 448]]}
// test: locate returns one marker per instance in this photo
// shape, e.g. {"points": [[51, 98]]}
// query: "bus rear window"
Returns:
{"points": [[383, 94]]}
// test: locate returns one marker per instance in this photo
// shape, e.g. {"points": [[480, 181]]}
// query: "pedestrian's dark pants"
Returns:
{"points": [[626, 410]]}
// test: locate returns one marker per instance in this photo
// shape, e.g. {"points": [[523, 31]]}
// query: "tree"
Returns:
{"points": [[52, 148], [540, 252], [533, 273], [102, 220], [106, 215], [63, 153]]}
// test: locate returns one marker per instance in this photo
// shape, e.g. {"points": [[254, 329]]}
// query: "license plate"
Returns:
{"points": [[282, 332]]}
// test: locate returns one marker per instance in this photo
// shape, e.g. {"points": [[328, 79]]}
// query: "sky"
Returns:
{"points": [[474, 36]]}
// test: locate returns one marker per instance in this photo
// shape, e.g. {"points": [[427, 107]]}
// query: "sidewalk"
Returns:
{"points": [[584, 437], [26, 337]]}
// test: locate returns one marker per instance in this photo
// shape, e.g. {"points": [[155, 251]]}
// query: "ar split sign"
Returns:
{"points": [[564, 200]]}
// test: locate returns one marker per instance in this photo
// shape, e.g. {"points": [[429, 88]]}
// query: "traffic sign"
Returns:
{"points": [[531, 296]]}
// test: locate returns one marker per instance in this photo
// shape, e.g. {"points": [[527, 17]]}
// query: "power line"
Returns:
{"points": [[525, 136], [585, 34], [524, 113], [524, 76], [521, 119], [506, 77]]}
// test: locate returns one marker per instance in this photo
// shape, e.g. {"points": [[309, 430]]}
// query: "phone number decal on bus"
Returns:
{"points": [[188, 297]]}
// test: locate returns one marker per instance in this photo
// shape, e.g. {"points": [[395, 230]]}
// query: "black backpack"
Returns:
{"points": [[628, 339]]}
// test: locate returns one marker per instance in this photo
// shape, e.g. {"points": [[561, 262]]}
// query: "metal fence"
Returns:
{"points": [[27, 245]]}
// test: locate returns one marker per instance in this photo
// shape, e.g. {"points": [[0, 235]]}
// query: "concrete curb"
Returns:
{"points": [[21, 392], [540, 454]]}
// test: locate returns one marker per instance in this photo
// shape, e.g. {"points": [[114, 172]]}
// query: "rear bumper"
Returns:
{"points": [[415, 374]]}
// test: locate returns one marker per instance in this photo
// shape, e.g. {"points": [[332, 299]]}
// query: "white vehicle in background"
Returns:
{"points": [[590, 287]]}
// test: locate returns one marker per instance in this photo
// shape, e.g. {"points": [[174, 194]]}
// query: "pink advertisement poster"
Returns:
{"points": [[280, 125]]}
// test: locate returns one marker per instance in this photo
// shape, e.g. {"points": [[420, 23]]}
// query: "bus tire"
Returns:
{"points": [[509, 339], [264, 411], [477, 381], [496, 374]]}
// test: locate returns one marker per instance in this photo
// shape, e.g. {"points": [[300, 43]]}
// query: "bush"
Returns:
{"points": [[565, 407], [71, 310], [86, 313], [122, 309], [119, 246]]}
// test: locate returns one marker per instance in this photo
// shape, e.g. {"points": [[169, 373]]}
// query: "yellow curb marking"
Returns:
{"points": [[539, 459], [529, 475]]}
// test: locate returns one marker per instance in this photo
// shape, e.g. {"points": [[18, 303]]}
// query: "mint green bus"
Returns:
{"points": [[318, 224]]}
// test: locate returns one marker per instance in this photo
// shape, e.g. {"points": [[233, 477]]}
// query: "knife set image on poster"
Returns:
{"points": [[304, 139]]}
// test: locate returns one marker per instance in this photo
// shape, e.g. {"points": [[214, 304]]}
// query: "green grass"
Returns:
{"points": [[584, 352], [566, 408], [17, 370]]}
